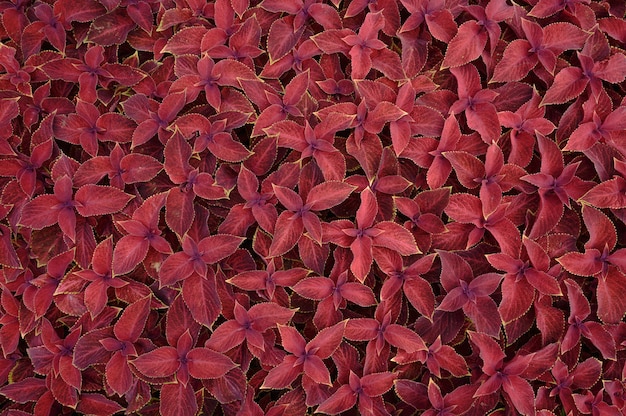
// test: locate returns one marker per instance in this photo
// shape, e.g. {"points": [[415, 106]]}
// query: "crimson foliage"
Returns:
{"points": [[283, 206]]}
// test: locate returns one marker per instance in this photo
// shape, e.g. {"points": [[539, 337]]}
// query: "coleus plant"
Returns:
{"points": [[257, 207]]}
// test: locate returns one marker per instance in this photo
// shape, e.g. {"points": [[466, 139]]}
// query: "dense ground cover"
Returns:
{"points": [[287, 207]]}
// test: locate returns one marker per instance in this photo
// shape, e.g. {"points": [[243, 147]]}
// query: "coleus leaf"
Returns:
{"points": [[27, 390], [466, 45], [307, 357], [99, 200], [282, 38], [111, 28], [607, 194], [97, 403]]}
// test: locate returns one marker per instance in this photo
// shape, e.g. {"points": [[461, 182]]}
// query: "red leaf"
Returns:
{"points": [[377, 384], [581, 264], [27, 390], [362, 250], [358, 293], [117, 127], [131, 324], [282, 38], [516, 62], [111, 29], [161, 362], [485, 315], [179, 212], [607, 194], [587, 373], [568, 84], [291, 200], [395, 237], [92, 170], [490, 352], [185, 41], [201, 297], [268, 315], [118, 373], [611, 306], [328, 194], [404, 338], [264, 156], [612, 69], [315, 368], [602, 232], [388, 62], [601, 338], [467, 45], [453, 269], [327, 340], [330, 41], [483, 118], [91, 403], [419, 292], [217, 247], [464, 208], [316, 288], [139, 168], [467, 167], [88, 349], [178, 400], [129, 251], [343, 399], [226, 336], [205, 363], [521, 394], [176, 267], [100, 200], [282, 375]]}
